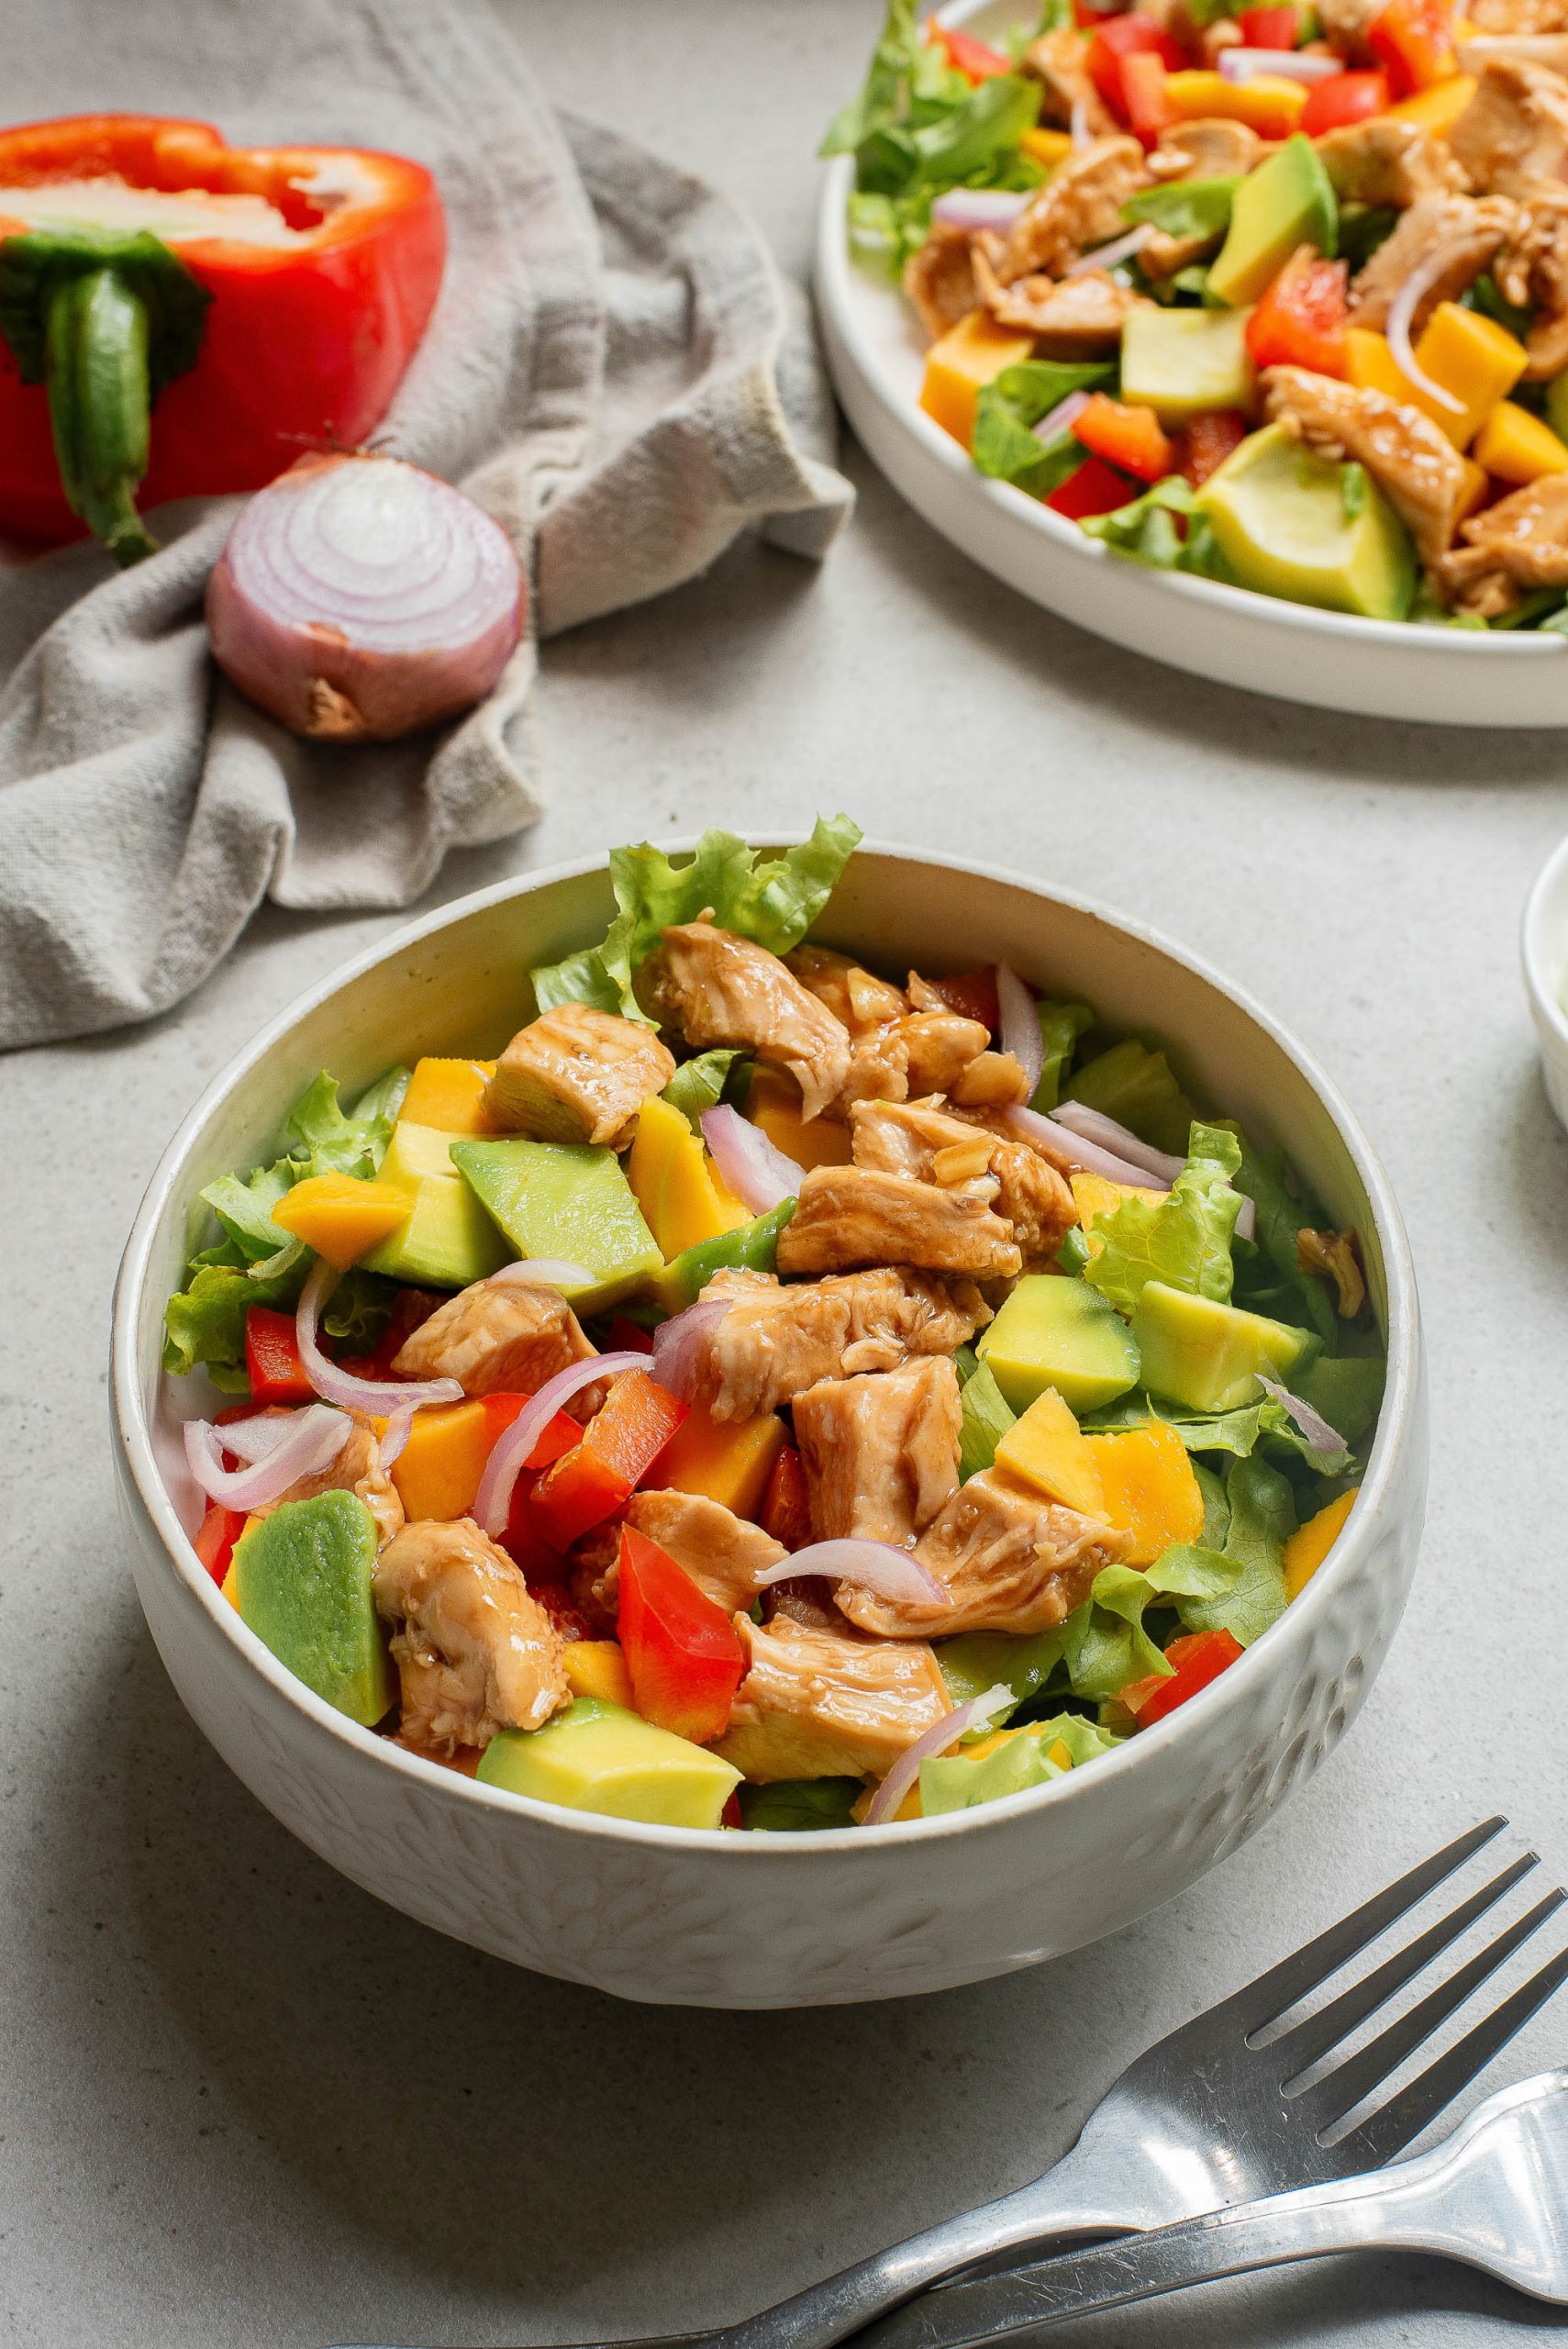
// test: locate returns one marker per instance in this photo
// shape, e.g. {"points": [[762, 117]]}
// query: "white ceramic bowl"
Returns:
{"points": [[1376, 668], [1544, 947], [673, 1915]]}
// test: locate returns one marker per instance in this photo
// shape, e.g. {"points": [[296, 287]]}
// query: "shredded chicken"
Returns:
{"points": [[722, 1553], [849, 1217], [1010, 1562], [1514, 132], [1072, 319], [919, 1139], [1466, 231], [1518, 544], [577, 1074], [940, 279], [474, 1654], [1533, 272], [880, 1451], [819, 1703], [1346, 25], [357, 1469], [1519, 16], [857, 998], [926, 1052], [1335, 1254], [775, 1341], [1383, 161], [1068, 93], [497, 1338], [1404, 452], [1209, 148], [1548, 50], [717, 988], [992, 1081], [1078, 208]]}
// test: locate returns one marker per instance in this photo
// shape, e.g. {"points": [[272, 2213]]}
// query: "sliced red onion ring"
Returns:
{"points": [[1401, 317], [315, 1438], [1062, 417], [1066, 1149], [978, 207], [1313, 1425], [374, 1396], [395, 1434], [513, 1449], [760, 1177], [1020, 1023], [978, 1713], [676, 1343], [1079, 121], [1093, 1125], [254, 1439], [1120, 249], [542, 1272], [892, 1573], [1284, 65]]}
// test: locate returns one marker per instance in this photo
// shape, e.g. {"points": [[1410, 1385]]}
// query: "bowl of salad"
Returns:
{"points": [[1237, 335], [771, 1426]]}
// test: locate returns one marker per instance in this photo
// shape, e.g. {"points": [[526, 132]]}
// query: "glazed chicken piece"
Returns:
{"points": [[722, 1553], [775, 1341], [577, 1074], [1209, 148], [1518, 544], [715, 988], [1534, 274], [992, 1081], [1336, 1255], [849, 1217], [880, 1451], [1346, 25], [1076, 319], [922, 1140], [497, 1338], [1518, 18], [1549, 50], [1387, 162], [1404, 452], [940, 281], [1467, 230], [1010, 1561], [474, 1654], [1078, 208], [1514, 132], [357, 1469], [858, 998], [817, 1703], [1069, 97], [926, 1052]]}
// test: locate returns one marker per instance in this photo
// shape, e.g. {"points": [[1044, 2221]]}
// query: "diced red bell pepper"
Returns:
{"points": [[1145, 103], [272, 1359], [972, 995], [624, 1337], [1131, 438], [1413, 42], [1087, 14], [681, 1650], [524, 1538], [967, 55], [619, 1446], [1094, 489], [1206, 439], [1344, 99], [215, 1536], [1115, 40], [1270, 27], [786, 1512], [562, 1607], [730, 1815], [1199, 1659], [1299, 320]]}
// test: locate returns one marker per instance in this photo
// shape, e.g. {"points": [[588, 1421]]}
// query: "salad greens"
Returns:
{"points": [[1182, 1238]]}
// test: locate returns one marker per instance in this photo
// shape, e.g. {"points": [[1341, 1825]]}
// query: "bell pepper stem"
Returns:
{"points": [[100, 404]]}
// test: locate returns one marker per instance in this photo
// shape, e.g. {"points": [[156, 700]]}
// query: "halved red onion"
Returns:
{"points": [[315, 1438], [514, 1448], [1062, 417], [892, 1573], [1066, 1149], [1243, 65], [1093, 1125], [375, 1396], [359, 597], [1019, 1033], [1401, 317], [978, 1713], [1313, 1425], [978, 207], [542, 1272], [1120, 249], [760, 1177], [676, 1344]]}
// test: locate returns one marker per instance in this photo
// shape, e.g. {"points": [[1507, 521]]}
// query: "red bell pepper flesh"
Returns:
{"points": [[969, 56], [681, 1650], [1299, 320], [1346, 98], [1206, 439], [972, 995], [215, 1536], [1119, 38], [624, 1337], [1270, 27], [1131, 438], [562, 1609], [619, 1446], [304, 343], [730, 1815], [786, 1510], [1094, 489], [273, 1362], [1145, 107], [1199, 1660], [1413, 42]]}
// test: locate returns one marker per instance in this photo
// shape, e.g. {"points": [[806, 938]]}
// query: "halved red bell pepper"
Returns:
{"points": [[967, 55], [786, 1510], [308, 326], [1299, 320], [619, 1446], [972, 995], [1094, 489], [215, 1536], [272, 1359], [1270, 27], [1114, 40], [681, 1650], [1199, 1658], [1131, 438], [1413, 42], [1206, 439], [1343, 99], [524, 1539]]}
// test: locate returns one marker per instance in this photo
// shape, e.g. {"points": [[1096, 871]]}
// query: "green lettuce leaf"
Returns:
{"points": [[1270, 1276], [800, 1805], [1262, 1516], [1135, 1084], [1240, 1432], [1185, 207], [701, 1084], [1183, 1238], [1003, 444], [344, 1141], [1061, 1025], [1146, 531], [1104, 1644], [1216, 1507], [775, 903], [978, 1661], [985, 125], [882, 98], [987, 1416], [1346, 1389], [955, 1782]]}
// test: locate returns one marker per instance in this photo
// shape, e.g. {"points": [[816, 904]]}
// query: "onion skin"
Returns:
{"points": [[326, 676]]}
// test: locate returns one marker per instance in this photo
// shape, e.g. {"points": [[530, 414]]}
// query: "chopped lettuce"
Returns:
{"points": [[1104, 1644], [701, 1084], [1346, 1389], [987, 1418], [1135, 1084], [1183, 1238], [1185, 207], [204, 1321], [1263, 1515], [1270, 1276], [1026, 1758], [800, 1805], [775, 903], [1240, 1431], [1216, 1507], [1147, 531], [1004, 444], [978, 1661], [1061, 1025]]}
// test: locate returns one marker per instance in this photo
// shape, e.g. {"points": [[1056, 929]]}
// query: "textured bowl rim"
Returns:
{"points": [[1146, 1753], [1543, 983]]}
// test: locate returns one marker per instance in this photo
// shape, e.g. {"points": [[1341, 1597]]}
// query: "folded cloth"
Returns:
{"points": [[614, 370]]}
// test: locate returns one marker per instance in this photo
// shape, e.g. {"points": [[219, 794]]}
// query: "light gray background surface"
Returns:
{"points": [[244, 2104]]}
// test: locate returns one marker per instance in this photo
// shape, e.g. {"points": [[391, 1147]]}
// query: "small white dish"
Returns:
{"points": [[1330, 660], [1543, 949]]}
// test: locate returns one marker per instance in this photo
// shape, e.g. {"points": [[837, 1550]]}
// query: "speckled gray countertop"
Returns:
{"points": [[241, 2103]]}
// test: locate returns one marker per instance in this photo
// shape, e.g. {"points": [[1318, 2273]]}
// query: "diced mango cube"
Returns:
{"points": [[1471, 357], [449, 1094], [1437, 110], [1517, 447], [1096, 1195], [1149, 1488], [773, 1103], [969, 355], [1045, 1449], [598, 1668], [730, 1461], [1047, 147], [341, 1216], [437, 1471], [683, 1199], [1306, 1548], [1270, 105]]}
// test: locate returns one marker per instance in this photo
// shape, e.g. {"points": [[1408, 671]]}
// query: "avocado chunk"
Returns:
{"points": [[448, 1241], [1288, 201], [1294, 525], [1055, 1331], [301, 1578], [1207, 1356], [1181, 361], [597, 1757], [570, 1199], [752, 1247]]}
